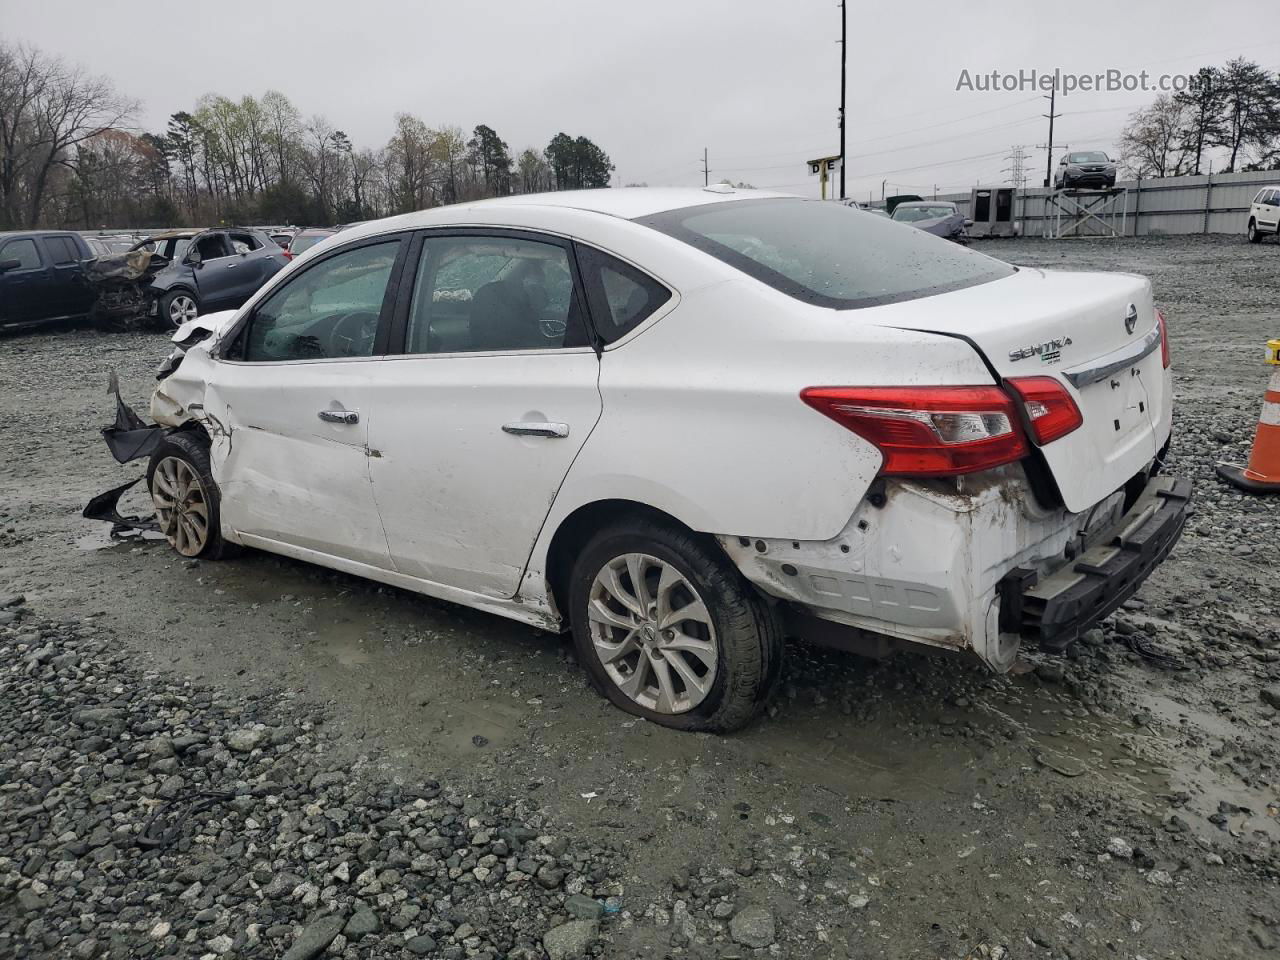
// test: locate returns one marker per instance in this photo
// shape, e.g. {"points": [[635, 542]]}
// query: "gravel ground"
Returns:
{"points": [[259, 758]]}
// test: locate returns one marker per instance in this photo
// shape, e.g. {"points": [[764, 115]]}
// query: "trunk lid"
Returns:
{"points": [[1071, 326]]}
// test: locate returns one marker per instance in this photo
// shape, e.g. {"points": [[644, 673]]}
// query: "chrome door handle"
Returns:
{"points": [[536, 428], [339, 416]]}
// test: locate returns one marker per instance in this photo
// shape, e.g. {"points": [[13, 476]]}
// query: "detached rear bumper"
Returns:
{"points": [[1056, 609]]}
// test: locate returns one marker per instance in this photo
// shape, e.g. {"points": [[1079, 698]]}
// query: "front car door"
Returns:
{"points": [[293, 389], [26, 290], [71, 291], [479, 416], [215, 274]]}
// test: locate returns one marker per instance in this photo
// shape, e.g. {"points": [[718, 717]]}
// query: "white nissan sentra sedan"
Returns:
{"points": [[684, 424]]}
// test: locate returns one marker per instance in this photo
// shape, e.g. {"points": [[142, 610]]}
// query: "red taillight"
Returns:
{"points": [[927, 431], [1051, 413], [1164, 339], [287, 254]]}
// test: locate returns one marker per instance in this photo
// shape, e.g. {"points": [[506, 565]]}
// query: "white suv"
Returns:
{"points": [[683, 424], [1264, 214]]}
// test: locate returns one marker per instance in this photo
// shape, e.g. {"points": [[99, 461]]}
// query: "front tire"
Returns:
{"points": [[1254, 235], [179, 306], [669, 630], [187, 501]]}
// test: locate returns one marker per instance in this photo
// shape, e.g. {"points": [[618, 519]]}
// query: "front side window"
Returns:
{"points": [[476, 294], [213, 247], [24, 251], [330, 310], [621, 296], [827, 254]]}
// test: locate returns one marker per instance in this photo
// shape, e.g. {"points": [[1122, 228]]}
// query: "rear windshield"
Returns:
{"points": [[306, 242], [826, 253], [905, 214]]}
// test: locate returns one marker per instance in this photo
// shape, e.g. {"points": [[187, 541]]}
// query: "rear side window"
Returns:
{"points": [[621, 297], [243, 242], [62, 249], [24, 251], [826, 253]]}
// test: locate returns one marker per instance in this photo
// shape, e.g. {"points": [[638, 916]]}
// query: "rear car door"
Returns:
{"points": [[26, 290], [294, 390], [491, 391], [71, 291], [256, 261]]}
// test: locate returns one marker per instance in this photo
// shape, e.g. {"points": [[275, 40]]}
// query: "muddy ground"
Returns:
{"points": [[912, 808]]}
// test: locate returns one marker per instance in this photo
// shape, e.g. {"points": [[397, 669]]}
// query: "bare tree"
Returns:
{"points": [[1251, 98], [47, 108], [1152, 144]]}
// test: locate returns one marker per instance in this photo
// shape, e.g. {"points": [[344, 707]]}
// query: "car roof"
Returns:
{"points": [[926, 203], [628, 203], [174, 234]]}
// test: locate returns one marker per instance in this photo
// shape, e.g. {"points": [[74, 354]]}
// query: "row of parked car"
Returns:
{"points": [[53, 276]]}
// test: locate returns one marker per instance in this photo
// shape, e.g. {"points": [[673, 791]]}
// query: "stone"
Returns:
{"points": [[753, 926], [1271, 695], [1120, 847], [361, 924], [315, 938], [245, 741], [570, 940], [582, 907], [420, 945]]}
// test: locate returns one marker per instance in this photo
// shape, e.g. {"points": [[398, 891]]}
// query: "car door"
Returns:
{"points": [[293, 391], [70, 290], [1269, 214], [490, 392], [215, 275], [255, 264], [27, 287]]}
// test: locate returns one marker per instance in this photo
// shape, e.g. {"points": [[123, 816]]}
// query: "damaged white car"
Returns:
{"points": [[685, 424]]}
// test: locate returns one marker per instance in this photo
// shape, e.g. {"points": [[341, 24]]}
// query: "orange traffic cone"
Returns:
{"points": [[1263, 473]]}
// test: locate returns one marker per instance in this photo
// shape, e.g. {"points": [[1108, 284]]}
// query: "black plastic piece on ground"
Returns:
{"points": [[106, 506], [1058, 620], [129, 438], [1235, 476]]}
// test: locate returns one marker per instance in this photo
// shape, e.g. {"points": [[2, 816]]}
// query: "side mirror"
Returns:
{"points": [[194, 258], [968, 222], [10, 264]]}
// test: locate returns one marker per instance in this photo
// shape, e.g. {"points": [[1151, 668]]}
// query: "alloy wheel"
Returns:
{"points": [[181, 309], [653, 633], [181, 506]]}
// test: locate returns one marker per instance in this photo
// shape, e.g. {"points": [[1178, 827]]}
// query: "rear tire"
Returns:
{"points": [[177, 307], [187, 501], [694, 648], [1254, 235]]}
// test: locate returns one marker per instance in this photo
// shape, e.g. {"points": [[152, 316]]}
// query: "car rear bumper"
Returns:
{"points": [[1055, 610], [973, 566]]}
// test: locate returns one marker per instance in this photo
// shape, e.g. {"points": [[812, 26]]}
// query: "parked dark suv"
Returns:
{"points": [[41, 278], [212, 270]]}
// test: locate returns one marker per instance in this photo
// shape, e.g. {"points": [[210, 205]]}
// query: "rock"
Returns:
{"points": [[584, 908], [245, 741], [420, 945], [1120, 847], [361, 924], [220, 944], [315, 938], [1271, 695], [1050, 672], [1159, 878], [1039, 937], [570, 940], [753, 927]]}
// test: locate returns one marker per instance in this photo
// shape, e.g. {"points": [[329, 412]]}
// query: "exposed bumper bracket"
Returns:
{"points": [[1058, 608]]}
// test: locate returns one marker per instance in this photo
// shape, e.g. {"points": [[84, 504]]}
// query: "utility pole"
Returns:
{"points": [[706, 171], [1048, 161], [844, 47]]}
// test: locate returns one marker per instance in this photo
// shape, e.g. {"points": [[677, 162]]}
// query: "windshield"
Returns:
{"points": [[912, 214], [826, 253], [1094, 156]]}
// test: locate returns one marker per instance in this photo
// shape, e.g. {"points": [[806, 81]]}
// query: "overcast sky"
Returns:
{"points": [[653, 82]]}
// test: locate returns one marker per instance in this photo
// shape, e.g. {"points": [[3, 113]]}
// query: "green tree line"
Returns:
{"points": [[70, 157]]}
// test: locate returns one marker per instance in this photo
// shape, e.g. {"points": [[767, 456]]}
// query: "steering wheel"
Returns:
{"points": [[353, 334]]}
